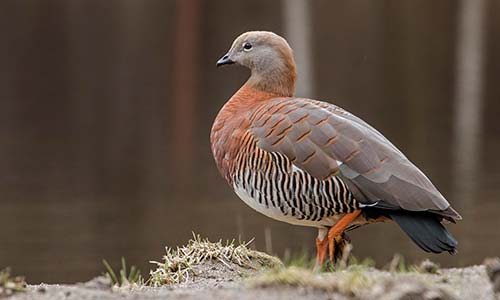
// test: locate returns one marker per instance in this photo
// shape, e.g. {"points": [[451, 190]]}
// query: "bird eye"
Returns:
{"points": [[247, 46]]}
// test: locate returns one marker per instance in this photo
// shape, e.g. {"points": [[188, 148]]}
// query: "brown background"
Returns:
{"points": [[106, 108]]}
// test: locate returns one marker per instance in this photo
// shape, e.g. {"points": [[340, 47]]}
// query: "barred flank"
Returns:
{"points": [[271, 180]]}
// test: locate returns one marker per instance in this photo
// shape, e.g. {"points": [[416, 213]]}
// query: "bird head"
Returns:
{"points": [[270, 59]]}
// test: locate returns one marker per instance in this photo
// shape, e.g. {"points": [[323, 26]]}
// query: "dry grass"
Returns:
{"points": [[348, 281], [348, 276], [177, 265], [10, 285]]}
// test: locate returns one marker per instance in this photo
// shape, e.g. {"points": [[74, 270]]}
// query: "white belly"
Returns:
{"points": [[277, 214]]}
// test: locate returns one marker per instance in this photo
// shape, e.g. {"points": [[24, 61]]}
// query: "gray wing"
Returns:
{"points": [[325, 140]]}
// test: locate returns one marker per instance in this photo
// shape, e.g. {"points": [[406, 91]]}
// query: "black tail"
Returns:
{"points": [[426, 230]]}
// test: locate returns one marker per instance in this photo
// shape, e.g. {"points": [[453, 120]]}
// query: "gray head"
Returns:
{"points": [[270, 59]]}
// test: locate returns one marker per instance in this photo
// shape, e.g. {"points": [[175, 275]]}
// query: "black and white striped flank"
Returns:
{"points": [[272, 181]]}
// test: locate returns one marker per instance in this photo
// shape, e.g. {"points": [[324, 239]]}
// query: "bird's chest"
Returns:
{"points": [[230, 131], [227, 142]]}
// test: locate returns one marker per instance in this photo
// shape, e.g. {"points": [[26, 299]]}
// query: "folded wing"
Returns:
{"points": [[325, 140]]}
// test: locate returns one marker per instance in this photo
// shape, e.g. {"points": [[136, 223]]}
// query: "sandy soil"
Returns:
{"points": [[220, 282]]}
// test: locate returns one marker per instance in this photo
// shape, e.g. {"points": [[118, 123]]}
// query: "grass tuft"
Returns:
{"points": [[348, 281], [301, 259], [177, 265], [398, 264], [305, 260], [10, 285], [124, 278]]}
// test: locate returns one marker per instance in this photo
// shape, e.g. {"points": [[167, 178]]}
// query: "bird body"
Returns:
{"points": [[308, 162], [269, 182]]}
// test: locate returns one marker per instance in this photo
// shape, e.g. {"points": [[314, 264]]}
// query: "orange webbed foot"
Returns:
{"points": [[336, 237], [337, 245]]}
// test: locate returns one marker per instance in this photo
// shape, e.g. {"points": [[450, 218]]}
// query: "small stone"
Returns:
{"points": [[428, 266], [100, 282]]}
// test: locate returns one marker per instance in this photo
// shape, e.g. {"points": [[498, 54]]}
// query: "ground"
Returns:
{"points": [[205, 270], [217, 281]]}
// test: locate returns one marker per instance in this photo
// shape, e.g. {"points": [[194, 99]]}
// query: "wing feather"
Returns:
{"points": [[325, 140]]}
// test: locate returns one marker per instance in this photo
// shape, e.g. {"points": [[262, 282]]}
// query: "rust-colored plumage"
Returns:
{"points": [[232, 124], [312, 163]]}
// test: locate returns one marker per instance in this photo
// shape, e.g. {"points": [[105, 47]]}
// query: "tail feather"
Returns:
{"points": [[425, 230]]}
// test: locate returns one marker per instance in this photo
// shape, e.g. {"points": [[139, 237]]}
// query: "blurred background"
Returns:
{"points": [[106, 109]]}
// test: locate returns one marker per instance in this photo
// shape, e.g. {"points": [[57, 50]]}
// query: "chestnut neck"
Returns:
{"points": [[248, 95], [278, 80]]}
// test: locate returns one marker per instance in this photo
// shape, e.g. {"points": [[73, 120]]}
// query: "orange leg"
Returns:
{"points": [[321, 247], [339, 227]]}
